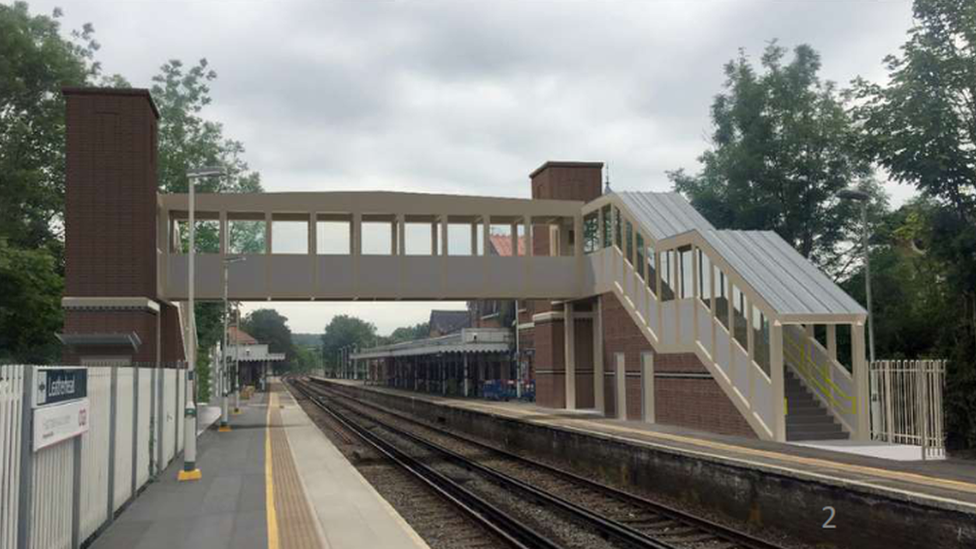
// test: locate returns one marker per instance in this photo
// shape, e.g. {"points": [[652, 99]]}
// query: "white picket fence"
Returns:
{"points": [[61, 495], [910, 404]]}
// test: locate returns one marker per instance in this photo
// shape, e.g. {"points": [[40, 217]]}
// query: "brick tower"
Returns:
{"points": [[111, 305]]}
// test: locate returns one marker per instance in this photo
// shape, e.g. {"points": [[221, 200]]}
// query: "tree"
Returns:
{"points": [[343, 331], [269, 326], [782, 147], [921, 127], [30, 305], [408, 333], [187, 141]]}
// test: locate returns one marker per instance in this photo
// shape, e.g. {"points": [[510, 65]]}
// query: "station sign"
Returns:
{"points": [[61, 407], [58, 422], [56, 385]]}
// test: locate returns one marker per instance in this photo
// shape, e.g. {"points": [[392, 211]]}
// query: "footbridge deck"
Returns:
{"points": [[431, 247]]}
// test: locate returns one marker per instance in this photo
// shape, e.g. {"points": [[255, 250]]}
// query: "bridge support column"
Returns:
{"points": [[569, 337]]}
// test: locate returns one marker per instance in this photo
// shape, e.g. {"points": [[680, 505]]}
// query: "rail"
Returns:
{"points": [[605, 525]]}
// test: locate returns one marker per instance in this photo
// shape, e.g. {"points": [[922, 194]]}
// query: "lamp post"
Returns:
{"points": [[864, 198], [225, 378], [190, 471]]}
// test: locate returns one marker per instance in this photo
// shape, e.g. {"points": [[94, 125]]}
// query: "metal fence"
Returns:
{"points": [[910, 407], [61, 495]]}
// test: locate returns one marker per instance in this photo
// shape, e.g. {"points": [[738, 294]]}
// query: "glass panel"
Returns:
{"points": [[722, 298], [651, 271], [207, 237], [246, 237], [607, 226], [687, 284], [741, 322], [332, 237], [376, 237], [667, 275], [591, 222], [760, 326], [501, 240], [459, 238], [704, 278], [617, 229], [639, 260], [629, 232], [289, 237]]}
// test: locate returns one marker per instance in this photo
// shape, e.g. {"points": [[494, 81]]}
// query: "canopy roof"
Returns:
{"points": [[790, 283]]}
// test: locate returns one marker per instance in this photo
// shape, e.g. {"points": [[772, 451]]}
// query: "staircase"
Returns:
{"points": [[806, 418]]}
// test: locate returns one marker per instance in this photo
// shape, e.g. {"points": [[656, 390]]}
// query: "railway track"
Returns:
{"points": [[495, 521], [621, 518]]}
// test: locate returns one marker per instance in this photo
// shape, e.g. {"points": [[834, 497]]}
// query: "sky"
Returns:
{"points": [[470, 97]]}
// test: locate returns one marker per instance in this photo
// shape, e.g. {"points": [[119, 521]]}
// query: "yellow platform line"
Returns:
{"points": [[723, 447], [269, 479]]}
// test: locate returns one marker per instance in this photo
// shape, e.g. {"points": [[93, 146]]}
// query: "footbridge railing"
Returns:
{"points": [[369, 245], [691, 291]]}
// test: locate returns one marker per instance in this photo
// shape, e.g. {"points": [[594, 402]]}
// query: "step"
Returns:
{"points": [[798, 436], [814, 428], [808, 419]]}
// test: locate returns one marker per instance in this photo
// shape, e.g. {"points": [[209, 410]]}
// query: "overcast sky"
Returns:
{"points": [[469, 97]]}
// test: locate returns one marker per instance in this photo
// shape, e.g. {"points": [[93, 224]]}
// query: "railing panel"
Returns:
{"points": [[169, 415], [180, 407], [705, 328], [827, 378], [762, 396], [742, 370], [669, 331], [52, 501], [125, 387], [95, 452], [911, 404], [722, 357], [145, 430], [687, 312], [11, 410]]}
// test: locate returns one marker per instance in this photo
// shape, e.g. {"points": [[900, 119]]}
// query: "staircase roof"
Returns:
{"points": [[788, 281], [664, 214]]}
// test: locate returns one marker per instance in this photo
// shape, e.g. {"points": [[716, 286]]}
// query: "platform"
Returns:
{"points": [[947, 483], [274, 481]]}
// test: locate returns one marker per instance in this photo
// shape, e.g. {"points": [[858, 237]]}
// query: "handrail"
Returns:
{"points": [[806, 366]]}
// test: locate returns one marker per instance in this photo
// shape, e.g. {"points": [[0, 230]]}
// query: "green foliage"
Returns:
{"points": [[921, 127], [408, 333], [203, 378], [30, 305], [269, 326], [781, 149], [343, 331], [308, 360]]}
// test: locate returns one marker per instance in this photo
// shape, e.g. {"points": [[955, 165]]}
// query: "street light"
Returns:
{"points": [[190, 471], [224, 426], [863, 197]]}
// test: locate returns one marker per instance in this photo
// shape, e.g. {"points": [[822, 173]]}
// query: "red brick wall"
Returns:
{"points": [[110, 194], [696, 403], [549, 363], [143, 323], [172, 334]]}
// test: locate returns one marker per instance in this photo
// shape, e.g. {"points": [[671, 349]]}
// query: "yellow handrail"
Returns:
{"points": [[807, 367]]}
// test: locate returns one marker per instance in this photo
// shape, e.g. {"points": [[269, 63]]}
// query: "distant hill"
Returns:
{"points": [[307, 340]]}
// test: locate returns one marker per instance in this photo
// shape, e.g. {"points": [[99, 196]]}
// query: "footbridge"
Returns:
{"points": [[633, 289], [423, 247]]}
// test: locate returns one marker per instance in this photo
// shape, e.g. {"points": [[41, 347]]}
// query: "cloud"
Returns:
{"points": [[469, 97]]}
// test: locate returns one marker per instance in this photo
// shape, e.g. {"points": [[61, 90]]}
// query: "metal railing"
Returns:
{"points": [[62, 494], [909, 406]]}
